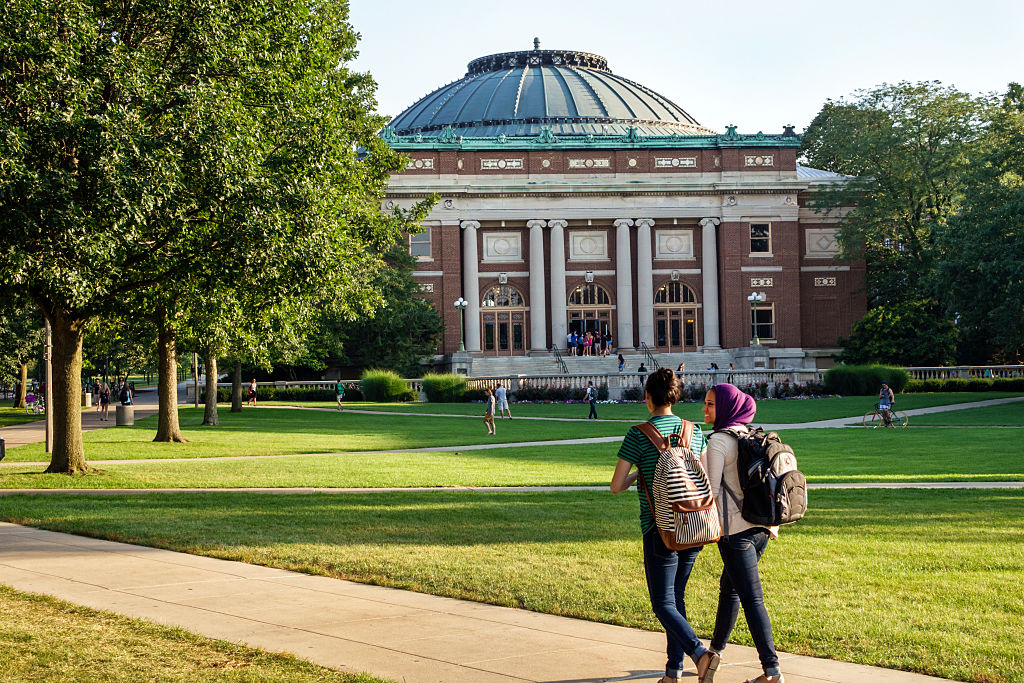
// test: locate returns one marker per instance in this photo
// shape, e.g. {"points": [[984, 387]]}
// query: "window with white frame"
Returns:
{"points": [[763, 320], [419, 244], [760, 238]]}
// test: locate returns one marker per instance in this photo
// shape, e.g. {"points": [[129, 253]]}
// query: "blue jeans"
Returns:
{"points": [[667, 572], [741, 585], [593, 409]]}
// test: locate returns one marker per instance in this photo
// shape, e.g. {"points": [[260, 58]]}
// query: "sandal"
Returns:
{"points": [[712, 660], [764, 679]]}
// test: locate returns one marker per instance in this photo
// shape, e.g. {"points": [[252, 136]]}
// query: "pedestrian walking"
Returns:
{"points": [[501, 399], [251, 397], [489, 412], [105, 402], [622, 363], [643, 374], [742, 543], [592, 397], [666, 571], [339, 392]]}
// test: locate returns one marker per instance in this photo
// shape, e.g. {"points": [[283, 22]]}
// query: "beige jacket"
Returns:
{"points": [[719, 460]]}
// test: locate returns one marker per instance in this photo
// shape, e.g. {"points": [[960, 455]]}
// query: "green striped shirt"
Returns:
{"points": [[638, 450]]}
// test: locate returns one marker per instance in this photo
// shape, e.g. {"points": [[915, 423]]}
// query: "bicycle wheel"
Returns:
{"points": [[900, 419], [871, 419]]}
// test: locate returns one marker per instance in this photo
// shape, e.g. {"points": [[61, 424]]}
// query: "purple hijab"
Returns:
{"points": [[732, 407]]}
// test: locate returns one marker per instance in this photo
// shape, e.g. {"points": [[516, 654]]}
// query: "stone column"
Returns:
{"points": [[559, 324], [471, 284], [538, 306], [645, 280], [709, 272], [623, 284]]}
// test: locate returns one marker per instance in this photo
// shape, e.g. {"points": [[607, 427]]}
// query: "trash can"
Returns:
{"points": [[87, 399], [125, 416]]}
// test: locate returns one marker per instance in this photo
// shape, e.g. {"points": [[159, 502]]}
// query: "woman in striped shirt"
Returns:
{"points": [[666, 570]]}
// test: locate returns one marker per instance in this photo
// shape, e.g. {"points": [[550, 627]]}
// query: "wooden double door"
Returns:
{"points": [[504, 333], [675, 328]]}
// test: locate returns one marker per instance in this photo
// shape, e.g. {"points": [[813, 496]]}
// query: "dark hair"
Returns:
{"points": [[663, 386]]}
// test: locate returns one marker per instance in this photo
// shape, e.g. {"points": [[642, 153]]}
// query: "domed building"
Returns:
{"points": [[574, 199]]}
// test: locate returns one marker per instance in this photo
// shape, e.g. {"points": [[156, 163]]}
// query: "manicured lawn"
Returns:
{"points": [[266, 431], [772, 411], [16, 416], [1010, 414], [927, 581], [43, 639]]}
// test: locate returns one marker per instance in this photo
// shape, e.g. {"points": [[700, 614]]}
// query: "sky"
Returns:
{"points": [[758, 65]]}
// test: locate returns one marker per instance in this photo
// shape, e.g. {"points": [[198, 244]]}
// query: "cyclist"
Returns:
{"points": [[885, 401]]}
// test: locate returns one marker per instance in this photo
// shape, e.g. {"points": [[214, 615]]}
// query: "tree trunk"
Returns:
{"points": [[68, 456], [210, 416], [236, 388], [167, 422], [22, 389]]}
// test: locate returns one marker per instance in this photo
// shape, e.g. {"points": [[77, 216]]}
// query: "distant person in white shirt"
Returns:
{"points": [[502, 399]]}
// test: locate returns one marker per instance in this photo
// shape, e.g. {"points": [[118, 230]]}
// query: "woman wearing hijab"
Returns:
{"points": [[742, 544], [666, 570]]}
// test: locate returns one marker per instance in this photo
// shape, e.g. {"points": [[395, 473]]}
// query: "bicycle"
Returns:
{"points": [[877, 418]]}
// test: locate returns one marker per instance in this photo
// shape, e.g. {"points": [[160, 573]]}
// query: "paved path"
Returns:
{"points": [[396, 634]]}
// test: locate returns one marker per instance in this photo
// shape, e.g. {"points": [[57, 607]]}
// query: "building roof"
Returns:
{"points": [[816, 174], [518, 94]]}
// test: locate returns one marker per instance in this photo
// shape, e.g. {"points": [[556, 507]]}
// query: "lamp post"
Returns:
{"points": [[460, 306], [755, 298]]}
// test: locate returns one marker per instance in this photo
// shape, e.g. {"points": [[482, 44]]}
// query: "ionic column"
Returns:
{"points": [[623, 284], [645, 280], [709, 273], [558, 304], [471, 284], [538, 308]]}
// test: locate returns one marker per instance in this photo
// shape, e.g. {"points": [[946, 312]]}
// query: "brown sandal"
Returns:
{"points": [[713, 660]]}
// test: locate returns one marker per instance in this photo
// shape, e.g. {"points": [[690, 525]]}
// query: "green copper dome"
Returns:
{"points": [[521, 93]]}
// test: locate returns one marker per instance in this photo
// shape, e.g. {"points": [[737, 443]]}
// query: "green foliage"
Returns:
{"points": [[21, 336], [444, 388], [557, 394], [911, 333], [281, 394], [386, 386], [864, 380], [960, 385]]}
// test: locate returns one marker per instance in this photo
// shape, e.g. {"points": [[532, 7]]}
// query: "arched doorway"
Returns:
{"points": [[675, 318], [503, 322], [590, 310]]}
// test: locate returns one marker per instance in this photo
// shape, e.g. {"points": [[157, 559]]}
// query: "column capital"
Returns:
{"points": [[649, 222], [623, 222], [558, 223], [470, 224], [710, 221], [536, 224]]}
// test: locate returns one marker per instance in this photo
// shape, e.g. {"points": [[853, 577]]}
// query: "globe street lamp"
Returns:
{"points": [[755, 298], [460, 305]]}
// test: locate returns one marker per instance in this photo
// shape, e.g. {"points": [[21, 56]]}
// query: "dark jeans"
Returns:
{"points": [[593, 409], [667, 572], [741, 585]]}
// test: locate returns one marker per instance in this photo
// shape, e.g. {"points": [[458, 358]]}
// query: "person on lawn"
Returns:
{"points": [[489, 412], [339, 392], [666, 570], [742, 543]]}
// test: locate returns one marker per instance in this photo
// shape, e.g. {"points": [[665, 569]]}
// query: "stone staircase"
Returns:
{"points": [[544, 363]]}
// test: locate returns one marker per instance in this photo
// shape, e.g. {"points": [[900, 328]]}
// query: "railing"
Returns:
{"points": [[967, 372], [649, 357], [561, 361]]}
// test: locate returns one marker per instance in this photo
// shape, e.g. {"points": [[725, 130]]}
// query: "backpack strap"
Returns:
{"points": [[662, 442]]}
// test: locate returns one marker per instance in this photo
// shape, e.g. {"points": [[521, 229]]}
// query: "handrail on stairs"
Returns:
{"points": [[649, 357], [561, 361]]}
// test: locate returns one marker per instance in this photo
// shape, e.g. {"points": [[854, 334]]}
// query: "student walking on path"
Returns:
{"points": [[742, 543], [489, 412], [667, 571], [105, 402], [501, 399], [252, 393], [339, 392], [592, 397]]}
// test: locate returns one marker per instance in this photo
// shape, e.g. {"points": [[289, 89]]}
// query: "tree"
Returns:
{"points": [[144, 143], [980, 272], [903, 333], [21, 336]]}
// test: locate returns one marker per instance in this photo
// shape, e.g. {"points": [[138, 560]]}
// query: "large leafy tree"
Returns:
{"points": [[21, 337], [980, 273], [903, 333], [146, 143]]}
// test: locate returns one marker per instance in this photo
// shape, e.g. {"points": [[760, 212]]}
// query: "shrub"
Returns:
{"points": [[914, 386], [979, 384], [385, 386], [633, 394], [955, 385], [864, 380], [444, 388], [471, 395], [1008, 384]]}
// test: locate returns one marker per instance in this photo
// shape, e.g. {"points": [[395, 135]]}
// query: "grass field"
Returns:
{"points": [[825, 455], [43, 639], [16, 416], [773, 411], [1007, 415], [927, 581]]}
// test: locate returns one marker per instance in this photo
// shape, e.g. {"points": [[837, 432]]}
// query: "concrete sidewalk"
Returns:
{"points": [[355, 627]]}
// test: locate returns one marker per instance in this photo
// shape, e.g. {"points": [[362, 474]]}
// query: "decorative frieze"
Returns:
{"points": [[588, 245], [821, 243], [503, 246], [675, 162], [419, 163], [427, 286], [501, 164], [759, 160], [824, 282], [756, 282], [589, 163], [673, 244]]}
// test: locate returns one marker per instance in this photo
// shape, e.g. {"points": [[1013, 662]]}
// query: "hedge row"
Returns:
{"points": [[917, 386], [557, 394], [386, 386], [444, 388], [352, 393], [864, 380]]}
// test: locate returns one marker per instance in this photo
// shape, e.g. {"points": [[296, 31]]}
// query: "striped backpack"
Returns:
{"points": [[683, 507]]}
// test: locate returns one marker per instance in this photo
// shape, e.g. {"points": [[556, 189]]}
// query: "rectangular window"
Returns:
{"points": [[419, 244], [764, 321], [760, 238]]}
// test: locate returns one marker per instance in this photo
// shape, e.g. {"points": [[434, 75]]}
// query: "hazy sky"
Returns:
{"points": [[759, 65]]}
